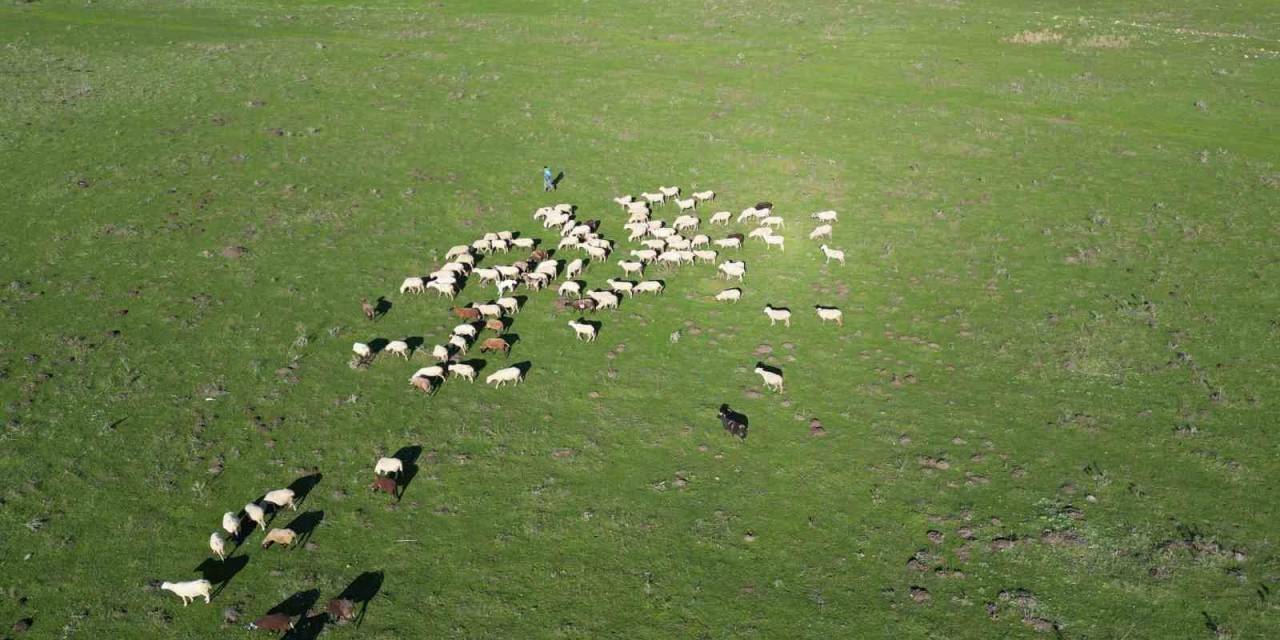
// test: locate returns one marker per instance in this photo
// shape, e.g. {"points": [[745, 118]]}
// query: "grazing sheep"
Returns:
{"points": [[638, 208], [821, 231], [733, 269], [729, 295], [629, 267], [670, 257], [189, 590], [389, 466], [495, 325], [596, 253], [368, 309], [729, 420], [644, 255], [495, 344], [662, 233], [733, 242], [443, 288], [700, 240], [444, 276], [362, 351], [583, 330], [218, 544], [503, 376], [436, 371], [569, 287], [487, 275], [481, 246], [771, 240], [832, 254], [465, 330], [506, 286], [231, 524], [524, 243], [257, 514], [749, 212], [441, 353], [705, 255], [624, 200], [649, 286], [341, 609], [489, 310], [759, 232], [413, 285], [423, 384], [510, 271], [825, 216], [459, 344], [654, 198], [459, 370], [777, 315], [604, 299], [669, 192], [536, 280], [282, 537], [548, 268], [510, 305], [678, 243], [500, 245], [721, 217], [771, 380], [830, 313], [457, 250], [564, 207], [399, 348], [281, 498], [621, 286], [466, 313], [703, 196], [773, 222], [656, 244], [278, 622], [685, 222], [386, 485], [584, 304]]}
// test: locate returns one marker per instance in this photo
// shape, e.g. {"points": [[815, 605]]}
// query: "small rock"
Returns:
{"points": [[752, 393], [763, 350], [234, 252], [749, 536], [920, 594], [562, 453], [21, 626], [934, 536]]}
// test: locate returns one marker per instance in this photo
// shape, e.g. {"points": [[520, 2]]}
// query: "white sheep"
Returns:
{"points": [[443, 288], [436, 372], [686, 257], [749, 212], [669, 192], [687, 204], [509, 271], [656, 244], [574, 268], [583, 330], [488, 310], [649, 286], [644, 255], [729, 295], [820, 231], [459, 370], [604, 299], [568, 242], [509, 305], [466, 330], [459, 344], [389, 466], [758, 232], [596, 253], [564, 207], [629, 267], [523, 243], [362, 351], [733, 269], [621, 286], [568, 288], [685, 222], [703, 196], [654, 198], [489, 236], [825, 216], [773, 222], [721, 217], [441, 353], [481, 246], [832, 254], [624, 200], [500, 245], [444, 277], [281, 498], [771, 240], [662, 233], [399, 348], [777, 315], [465, 259], [218, 545], [728, 243], [548, 268], [771, 380], [189, 590], [503, 376], [542, 212], [456, 251], [700, 240], [487, 274], [257, 514], [678, 243], [670, 257], [231, 523], [506, 286], [830, 313], [413, 285], [638, 207]]}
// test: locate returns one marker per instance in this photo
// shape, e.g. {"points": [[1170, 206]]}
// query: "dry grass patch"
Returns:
{"points": [[1043, 36], [1107, 41]]}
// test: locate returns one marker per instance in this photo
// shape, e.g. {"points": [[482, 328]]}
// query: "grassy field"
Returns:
{"points": [[1048, 413]]}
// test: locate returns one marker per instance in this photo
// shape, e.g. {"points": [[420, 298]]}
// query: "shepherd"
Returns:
{"points": [[547, 183]]}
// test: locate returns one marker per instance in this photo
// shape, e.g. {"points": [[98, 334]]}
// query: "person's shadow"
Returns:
{"points": [[555, 182]]}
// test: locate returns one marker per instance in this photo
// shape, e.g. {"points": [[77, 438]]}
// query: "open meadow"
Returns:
{"points": [[1050, 410]]}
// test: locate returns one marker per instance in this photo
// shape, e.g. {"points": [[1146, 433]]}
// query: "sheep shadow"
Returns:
{"points": [[362, 590], [408, 456], [376, 345], [382, 307], [595, 324], [304, 525], [524, 368], [415, 344], [297, 604], [555, 182], [302, 487], [521, 301], [729, 418], [220, 572], [769, 368], [308, 627]]}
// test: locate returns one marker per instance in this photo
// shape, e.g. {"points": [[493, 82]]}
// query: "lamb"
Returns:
{"points": [[503, 376], [459, 344], [771, 240], [281, 498], [729, 295], [685, 222], [282, 537], [389, 466], [413, 285], [733, 242], [654, 198], [466, 330], [495, 344], [459, 370], [441, 353], [687, 204], [436, 371], [825, 216], [777, 315], [771, 380], [705, 255], [830, 313], [621, 286], [773, 222], [231, 524], [820, 231], [574, 269], [278, 622], [367, 309], [569, 287], [509, 305], [257, 514], [703, 196], [399, 348], [650, 286], [832, 254], [669, 192], [583, 330], [189, 590], [506, 286], [604, 299], [721, 217], [732, 268], [218, 545], [629, 267], [386, 485]]}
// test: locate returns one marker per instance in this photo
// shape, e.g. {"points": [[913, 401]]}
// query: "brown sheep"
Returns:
{"points": [[538, 256], [423, 383], [385, 484], [495, 324], [367, 308], [495, 344], [466, 313], [283, 537], [341, 609], [278, 622], [585, 304]]}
